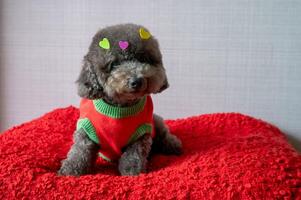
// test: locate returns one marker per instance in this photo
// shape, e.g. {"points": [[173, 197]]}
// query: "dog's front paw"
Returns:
{"points": [[69, 169], [171, 145], [131, 164]]}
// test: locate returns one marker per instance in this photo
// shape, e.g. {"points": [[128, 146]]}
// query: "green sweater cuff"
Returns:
{"points": [[88, 128], [140, 131]]}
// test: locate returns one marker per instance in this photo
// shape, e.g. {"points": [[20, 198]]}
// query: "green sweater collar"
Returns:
{"points": [[118, 112]]}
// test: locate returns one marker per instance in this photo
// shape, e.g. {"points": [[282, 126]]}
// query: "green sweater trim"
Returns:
{"points": [[118, 112], [104, 157], [88, 128], [140, 131]]}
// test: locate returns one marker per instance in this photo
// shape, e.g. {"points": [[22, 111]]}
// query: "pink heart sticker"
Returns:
{"points": [[123, 44]]}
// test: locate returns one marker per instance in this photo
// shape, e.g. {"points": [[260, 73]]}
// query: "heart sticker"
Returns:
{"points": [[104, 43], [144, 34], [123, 44]]}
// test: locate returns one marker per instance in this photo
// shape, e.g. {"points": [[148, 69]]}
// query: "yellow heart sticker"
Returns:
{"points": [[104, 43], [144, 34]]}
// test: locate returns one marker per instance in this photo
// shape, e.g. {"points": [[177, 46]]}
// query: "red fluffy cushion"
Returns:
{"points": [[226, 156]]}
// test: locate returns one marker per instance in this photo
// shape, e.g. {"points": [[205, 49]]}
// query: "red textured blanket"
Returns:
{"points": [[226, 156]]}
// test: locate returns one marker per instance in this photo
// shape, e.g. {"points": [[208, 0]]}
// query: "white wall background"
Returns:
{"points": [[221, 56]]}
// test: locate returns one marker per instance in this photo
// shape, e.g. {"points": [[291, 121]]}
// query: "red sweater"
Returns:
{"points": [[113, 128]]}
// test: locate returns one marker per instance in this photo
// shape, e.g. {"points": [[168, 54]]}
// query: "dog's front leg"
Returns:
{"points": [[134, 159], [81, 157]]}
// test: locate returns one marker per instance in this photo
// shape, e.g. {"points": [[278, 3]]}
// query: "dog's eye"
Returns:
{"points": [[112, 65]]}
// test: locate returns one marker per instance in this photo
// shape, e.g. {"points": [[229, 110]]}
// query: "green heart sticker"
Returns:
{"points": [[104, 43]]}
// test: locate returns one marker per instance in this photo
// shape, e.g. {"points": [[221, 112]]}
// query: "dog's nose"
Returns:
{"points": [[136, 83]]}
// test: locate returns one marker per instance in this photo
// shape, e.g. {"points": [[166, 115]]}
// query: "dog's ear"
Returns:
{"points": [[89, 85]]}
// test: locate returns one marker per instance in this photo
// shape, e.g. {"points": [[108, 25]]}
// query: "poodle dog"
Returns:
{"points": [[121, 69]]}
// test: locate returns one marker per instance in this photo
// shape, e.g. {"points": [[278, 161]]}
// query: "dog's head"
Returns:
{"points": [[123, 64]]}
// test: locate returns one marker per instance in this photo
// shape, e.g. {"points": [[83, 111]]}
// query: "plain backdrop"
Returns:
{"points": [[221, 56]]}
